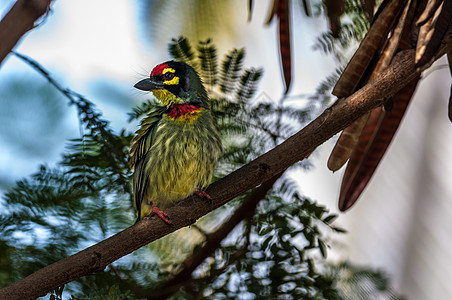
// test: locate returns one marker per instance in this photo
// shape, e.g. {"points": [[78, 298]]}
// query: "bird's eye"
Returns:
{"points": [[168, 76]]}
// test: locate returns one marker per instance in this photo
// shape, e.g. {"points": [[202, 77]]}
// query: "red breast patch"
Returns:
{"points": [[179, 110]]}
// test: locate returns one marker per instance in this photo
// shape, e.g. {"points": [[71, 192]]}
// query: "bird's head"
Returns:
{"points": [[175, 82]]}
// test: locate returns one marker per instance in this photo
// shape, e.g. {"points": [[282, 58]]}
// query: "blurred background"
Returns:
{"points": [[402, 225]]}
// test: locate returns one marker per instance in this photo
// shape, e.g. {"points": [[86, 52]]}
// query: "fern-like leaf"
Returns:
{"points": [[248, 84], [181, 50], [230, 69], [144, 108], [208, 60]]}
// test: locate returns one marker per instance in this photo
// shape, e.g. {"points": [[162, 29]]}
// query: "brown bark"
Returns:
{"points": [[20, 19]]}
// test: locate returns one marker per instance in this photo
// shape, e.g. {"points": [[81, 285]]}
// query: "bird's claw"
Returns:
{"points": [[162, 215], [203, 195]]}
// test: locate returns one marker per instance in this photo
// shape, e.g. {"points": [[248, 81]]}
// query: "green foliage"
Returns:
{"points": [[107, 293], [323, 91], [247, 85], [354, 25], [356, 283], [280, 262], [141, 110], [87, 197], [230, 69], [181, 50], [208, 61], [48, 216], [57, 294]]}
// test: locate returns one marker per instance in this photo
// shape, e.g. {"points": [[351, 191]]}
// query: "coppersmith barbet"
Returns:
{"points": [[175, 150]]}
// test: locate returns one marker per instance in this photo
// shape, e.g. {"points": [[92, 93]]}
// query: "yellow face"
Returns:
{"points": [[169, 75], [166, 97]]}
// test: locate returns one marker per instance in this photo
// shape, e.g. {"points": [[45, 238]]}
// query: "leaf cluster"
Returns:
{"points": [[284, 243], [361, 283], [354, 24], [353, 27], [87, 197], [61, 210]]}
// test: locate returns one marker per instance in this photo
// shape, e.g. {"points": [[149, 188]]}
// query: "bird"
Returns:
{"points": [[175, 150]]}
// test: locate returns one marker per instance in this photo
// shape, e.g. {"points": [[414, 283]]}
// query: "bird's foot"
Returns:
{"points": [[162, 215], [203, 195]]}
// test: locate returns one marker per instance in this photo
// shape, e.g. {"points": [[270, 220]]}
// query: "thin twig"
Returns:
{"points": [[95, 123]]}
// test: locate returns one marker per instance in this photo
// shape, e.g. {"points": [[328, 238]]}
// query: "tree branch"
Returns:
{"points": [[18, 21], [262, 169], [245, 211]]}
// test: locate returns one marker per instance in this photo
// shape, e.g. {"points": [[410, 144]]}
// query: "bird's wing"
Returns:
{"points": [[140, 146]]}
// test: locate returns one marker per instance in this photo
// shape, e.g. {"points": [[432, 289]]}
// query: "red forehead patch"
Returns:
{"points": [[158, 70]]}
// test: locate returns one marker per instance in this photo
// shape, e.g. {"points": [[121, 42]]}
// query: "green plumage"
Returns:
{"points": [[174, 153]]}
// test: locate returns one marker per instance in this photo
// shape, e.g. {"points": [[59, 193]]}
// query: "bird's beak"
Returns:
{"points": [[148, 85]]}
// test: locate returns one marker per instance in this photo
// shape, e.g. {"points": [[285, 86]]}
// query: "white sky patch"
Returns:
{"points": [[88, 39]]}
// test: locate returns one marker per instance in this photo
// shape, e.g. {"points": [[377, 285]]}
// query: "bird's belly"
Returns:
{"points": [[182, 162]]}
